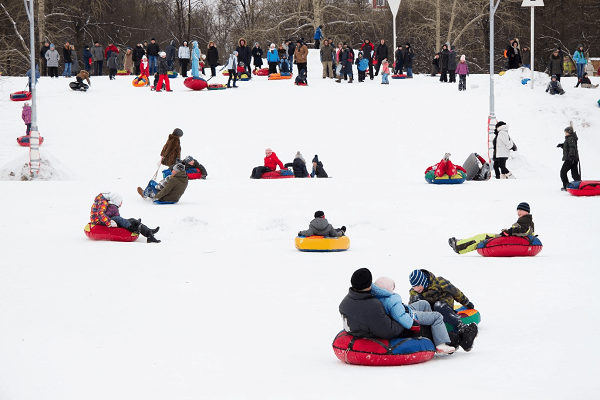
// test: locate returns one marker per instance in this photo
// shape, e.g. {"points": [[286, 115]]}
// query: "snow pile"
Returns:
{"points": [[50, 170]]}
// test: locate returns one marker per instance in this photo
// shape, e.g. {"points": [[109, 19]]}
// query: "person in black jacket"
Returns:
{"points": [[212, 58], [317, 169], [171, 51], [514, 56], [570, 157], [444, 58], [138, 53], [152, 52], [409, 54], [257, 54], [381, 52], [399, 60], [291, 50], [244, 54], [43, 52], [299, 166]]}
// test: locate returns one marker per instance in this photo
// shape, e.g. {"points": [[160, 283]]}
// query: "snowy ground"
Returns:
{"points": [[225, 307]]}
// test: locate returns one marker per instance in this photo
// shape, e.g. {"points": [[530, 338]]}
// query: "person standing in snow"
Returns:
{"points": [[184, 58], [382, 54], [409, 54], [291, 46], [26, 116], [112, 65], [128, 60], [318, 36], [171, 52], [452, 65], [362, 64], [244, 55], [385, 72], [367, 49], [271, 163], [232, 69], [257, 53], [526, 57], [398, 59], [441, 295], [319, 226], [555, 65], [68, 61], [212, 57], [43, 52], [152, 52], [98, 57], [163, 70], [444, 57], [580, 61], [272, 59], [301, 55], [462, 69], [138, 54], [52, 58], [570, 157], [502, 146], [514, 56], [524, 227]]}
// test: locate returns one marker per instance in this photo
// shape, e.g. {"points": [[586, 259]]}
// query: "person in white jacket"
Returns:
{"points": [[184, 58], [502, 147], [232, 69]]}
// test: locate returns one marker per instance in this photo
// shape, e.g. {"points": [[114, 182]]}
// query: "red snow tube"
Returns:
{"points": [[584, 188], [20, 96], [239, 69], [399, 76], [510, 246], [195, 83], [24, 141], [382, 352], [261, 72], [101, 232], [277, 174]]}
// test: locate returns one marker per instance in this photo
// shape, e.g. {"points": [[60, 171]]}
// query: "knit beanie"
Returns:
{"points": [[418, 278], [463, 58], [569, 130], [319, 214], [188, 160], [315, 158], [386, 283], [523, 206], [361, 279], [178, 132], [299, 155]]}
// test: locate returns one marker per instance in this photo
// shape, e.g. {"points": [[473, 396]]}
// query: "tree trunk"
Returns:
{"points": [[451, 23], [438, 23], [41, 23]]}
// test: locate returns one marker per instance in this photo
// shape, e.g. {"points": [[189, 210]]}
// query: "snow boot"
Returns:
{"points": [[452, 243], [141, 192], [351, 80], [152, 239], [510, 176], [468, 334], [444, 349], [338, 80], [503, 176]]}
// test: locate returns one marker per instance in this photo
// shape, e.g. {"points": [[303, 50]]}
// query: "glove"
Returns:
{"points": [[514, 148], [560, 145], [470, 306], [112, 224], [505, 233], [300, 233], [416, 327], [343, 229]]}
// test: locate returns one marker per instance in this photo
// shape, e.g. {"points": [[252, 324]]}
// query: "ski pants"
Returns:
{"points": [[444, 75], [462, 82], [449, 315], [258, 171], [470, 244], [163, 78], [500, 166], [426, 316], [566, 167], [452, 76]]}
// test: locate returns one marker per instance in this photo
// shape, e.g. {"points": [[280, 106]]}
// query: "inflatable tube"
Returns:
{"points": [[382, 352], [243, 77], [301, 84], [322, 244], [584, 188], [399, 76], [282, 173], [163, 202], [172, 74], [24, 141], [277, 76], [239, 69], [261, 72], [101, 232], [195, 83], [460, 177], [139, 82], [217, 86], [123, 72], [20, 96], [192, 173], [501, 73], [466, 316], [510, 246], [524, 81]]}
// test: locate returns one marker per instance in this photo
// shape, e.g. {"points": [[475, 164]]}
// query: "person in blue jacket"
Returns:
{"points": [[318, 37], [580, 61], [37, 76], [272, 59], [413, 315], [87, 59], [195, 60]]}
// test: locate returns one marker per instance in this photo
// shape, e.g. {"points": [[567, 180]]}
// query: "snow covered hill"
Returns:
{"points": [[225, 307]]}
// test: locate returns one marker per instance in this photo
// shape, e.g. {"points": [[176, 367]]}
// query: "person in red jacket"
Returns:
{"points": [[109, 49], [445, 167], [271, 163], [144, 71]]}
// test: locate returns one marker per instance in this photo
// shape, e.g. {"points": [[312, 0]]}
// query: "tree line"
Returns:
{"points": [[426, 24]]}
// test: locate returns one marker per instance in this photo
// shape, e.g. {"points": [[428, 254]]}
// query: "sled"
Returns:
{"points": [[172, 74], [217, 86], [261, 72], [278, 76], [139, 81], [282, 173], [101, 232], [192, 173], [122, 72], [510, 246], [243, 77], [399, 76], [584, 188], [24, 140], [460, 177], [20, 96], [163, 202], [466, 316], [195, 83], [382, 352], [322, 244], [239, 69], [301, 84], [501, 73], [78, 87]]}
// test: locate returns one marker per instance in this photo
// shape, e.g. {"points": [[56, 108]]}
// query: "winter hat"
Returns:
{"points": [[177, 132], [113, 198], [386, 283], [498, 125], [152, 39], [162, 54], [299, 155], [187, 160], [554, 77], [408, 44], [569, 130], [179, 167], [319, 214], [315, 158], [523, 206], [235, 53], [418, 278], [51, 45], [256, 43], [26, 104], [463, 58], [272, 46], [144, 57], [361, 279]]}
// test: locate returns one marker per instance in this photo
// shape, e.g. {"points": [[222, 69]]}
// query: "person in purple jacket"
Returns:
{"points": [[26, 115], [131, 224], [462, 70]]}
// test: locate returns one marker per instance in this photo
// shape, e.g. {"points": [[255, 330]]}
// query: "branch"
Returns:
{"points": [[18, 34]]}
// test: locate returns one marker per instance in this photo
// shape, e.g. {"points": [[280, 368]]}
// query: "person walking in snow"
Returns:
{"points": [[271, 162], [171, 151], [232, 69], [462, 70], [414, 315], [112, 65], [319, 226], [26, 117], [570, 157], [441, 295], [503, 144]]}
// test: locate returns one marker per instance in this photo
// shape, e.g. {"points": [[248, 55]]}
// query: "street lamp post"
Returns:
{"points": [[532, 4], [492, 116], [394, 6], [34, 138]]}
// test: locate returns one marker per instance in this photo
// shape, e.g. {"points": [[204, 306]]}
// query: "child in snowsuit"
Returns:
{"points": [[105, 211], [299, 166], [385, 72], [524, 227], [163, 70], [26, 116], [570, 157], [301, 78], [144, 72], [462, 69], [284, 66], [413, 315], [441, 294], [554, 87], [191, 162], [585, 82], [362, 66], [272, 59], [171, 151], [502, 144], [445, 167], [112, 65], [321, 227], [270, 164], [317, 169]]}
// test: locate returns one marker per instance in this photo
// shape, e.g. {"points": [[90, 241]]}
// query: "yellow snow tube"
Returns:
{"points": [[323, 244]]}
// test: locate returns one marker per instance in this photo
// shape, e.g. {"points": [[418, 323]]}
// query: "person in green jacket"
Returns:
{"points": [[169, 189], [523, 227]]}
